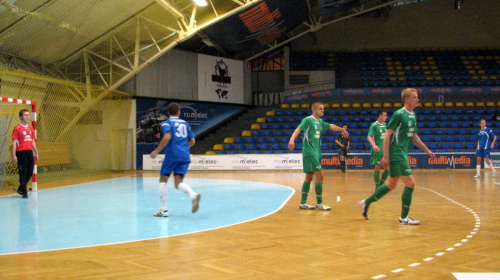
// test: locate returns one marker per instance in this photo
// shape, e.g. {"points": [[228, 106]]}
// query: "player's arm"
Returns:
{"points": [[295, 134], [15, 142], [35, 150], [387, 141], [372, 143], [163, 143], [418, 142], [192, 141], [493, 142], [338, 128]]}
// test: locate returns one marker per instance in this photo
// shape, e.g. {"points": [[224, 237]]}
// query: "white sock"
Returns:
{"points": [[478, 168], [162, 190], [492, 168], [186, 189]]}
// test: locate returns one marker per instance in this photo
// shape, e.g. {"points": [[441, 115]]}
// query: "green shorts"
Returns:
{"points": [[311, 164], [376, 158], [399, 168]]}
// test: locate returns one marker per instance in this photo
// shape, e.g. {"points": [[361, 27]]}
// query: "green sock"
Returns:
{"points": [[376, 177], [305, 192], [378, 194], [406, 201], [318, 187], [384, 176]]}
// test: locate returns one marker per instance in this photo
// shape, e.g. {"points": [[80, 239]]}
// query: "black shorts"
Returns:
{"points": [[342, 152]]}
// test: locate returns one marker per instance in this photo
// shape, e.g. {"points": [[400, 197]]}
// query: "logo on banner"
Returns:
{"points": [[286, 160], [194, 114], [451, 161], [221, 77], [203, 161]]}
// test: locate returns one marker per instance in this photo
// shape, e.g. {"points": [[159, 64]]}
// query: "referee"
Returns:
{"points": [[343, 143]]}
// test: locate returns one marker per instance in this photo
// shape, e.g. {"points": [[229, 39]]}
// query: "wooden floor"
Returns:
{"points": [[460, 232]]}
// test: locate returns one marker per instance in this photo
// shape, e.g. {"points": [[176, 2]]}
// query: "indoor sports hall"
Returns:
{"points": [[97, 79]]}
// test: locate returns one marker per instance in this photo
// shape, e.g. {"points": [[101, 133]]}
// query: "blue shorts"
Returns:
{"points": [[178, 167], [484, 153]]}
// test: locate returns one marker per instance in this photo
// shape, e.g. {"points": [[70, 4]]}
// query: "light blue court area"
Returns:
{"points": [[121, 210]]}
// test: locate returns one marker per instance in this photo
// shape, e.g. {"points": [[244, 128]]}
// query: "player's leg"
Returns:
{"points": [[479, 155], [318, 187], [376, 176], [308, 166], [488, 161], [179, 172], [384, 176], [406, 199], [165, 171], [342, 159], [22, 164]]}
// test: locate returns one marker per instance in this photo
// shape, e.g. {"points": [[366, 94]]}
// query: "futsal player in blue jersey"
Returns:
{"points": [[485, 143], [177, 139]]}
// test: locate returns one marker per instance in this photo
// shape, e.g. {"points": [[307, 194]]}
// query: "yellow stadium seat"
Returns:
{"points": [[326, 105], [387, 105], [255, 126], [439, 104], [420, 105], [459, 104], [210, 153], [285, 106], [490, 104], [397, 105], [449, 104], [335, 105], [218, 147], [469, 104], [346, 105], [498, 103], [377, 105], [356, 105], [270, 114], [480, 104], [428, 104], [295, 106], [229, 140], [305, 106], [367, 105], [246, 133], [261, 120]]}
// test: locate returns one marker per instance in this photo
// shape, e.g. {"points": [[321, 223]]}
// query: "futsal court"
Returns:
{"points": [[249, 226]]}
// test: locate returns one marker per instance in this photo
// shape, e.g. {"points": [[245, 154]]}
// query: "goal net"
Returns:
{"points": [[81, 129]]}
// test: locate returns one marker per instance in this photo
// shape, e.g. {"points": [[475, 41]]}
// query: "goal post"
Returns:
{"points": [[33, 105]]}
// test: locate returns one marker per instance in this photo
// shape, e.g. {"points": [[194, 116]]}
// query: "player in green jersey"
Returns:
{"points": [[376, 138], [312, 126], [402, 130]]}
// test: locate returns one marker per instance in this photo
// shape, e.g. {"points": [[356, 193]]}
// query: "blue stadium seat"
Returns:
{"points": [[264, 147], [358, 132], [426, 112], [229, 147], [257, 152], [277, 126], [356, 119], [284, 146], [281, 120], [262, 140], [432, 118], [462, 131], [355, 139], [433, 146], [462, 139], [220, 152], [239, 140], [280, 113], [298, 140], [470, 146], [346, 120], [450, 131], [369, 120], [273, 140], [234, 152], [426, 138], [454, 118], [438, 138], [325, 146], [270, 120], [432, 125], [477, 118], [251, 140], [421, 125], [365, 125], [465, 118], [458, 146], [265, 126], [298, 147], [279, 133], [292, 120], [422, 118], [241, 147], [301, 113], [466, 124], [360, 146], [445, 145], [276, 147], [473, 131], [283, 152], [291, 113], [285, 139], [325, 119], [335, 119], [268, 133], [443, 125], [439, 131], [454, 124], [287, 126], [256, 133], [246, 152], [427, 132], [353, 125], [330, 139], [449, 138], [342, 112], [448, 112]]}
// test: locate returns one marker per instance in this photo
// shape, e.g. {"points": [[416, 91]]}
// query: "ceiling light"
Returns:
{"points": [[201, 2]]}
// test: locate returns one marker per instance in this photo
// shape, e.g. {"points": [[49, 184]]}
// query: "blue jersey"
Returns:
{"points": [[177, 150], [486, 136]]}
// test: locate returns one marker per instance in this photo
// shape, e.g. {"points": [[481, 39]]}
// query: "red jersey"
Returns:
{"points": [[24, 135]]}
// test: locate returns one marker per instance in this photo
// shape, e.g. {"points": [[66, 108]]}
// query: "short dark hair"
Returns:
{"points": [[22, 112], [173, 108], [381, 111]]}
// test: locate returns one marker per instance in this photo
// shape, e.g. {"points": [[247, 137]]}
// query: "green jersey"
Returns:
{"points": [[404, 125], [311, 138], [377, 132]]}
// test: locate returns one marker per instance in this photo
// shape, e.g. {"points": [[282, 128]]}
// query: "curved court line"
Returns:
{"points": [[212, 183], [449, 249]]}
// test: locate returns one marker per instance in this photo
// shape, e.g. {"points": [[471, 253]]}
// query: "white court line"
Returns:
{"points": [[398, 270]]}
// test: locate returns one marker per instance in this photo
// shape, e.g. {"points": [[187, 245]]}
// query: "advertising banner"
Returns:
{"points": [[379, 91], [495, 160], [220, 79], [201, 116], [329, 161]]}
